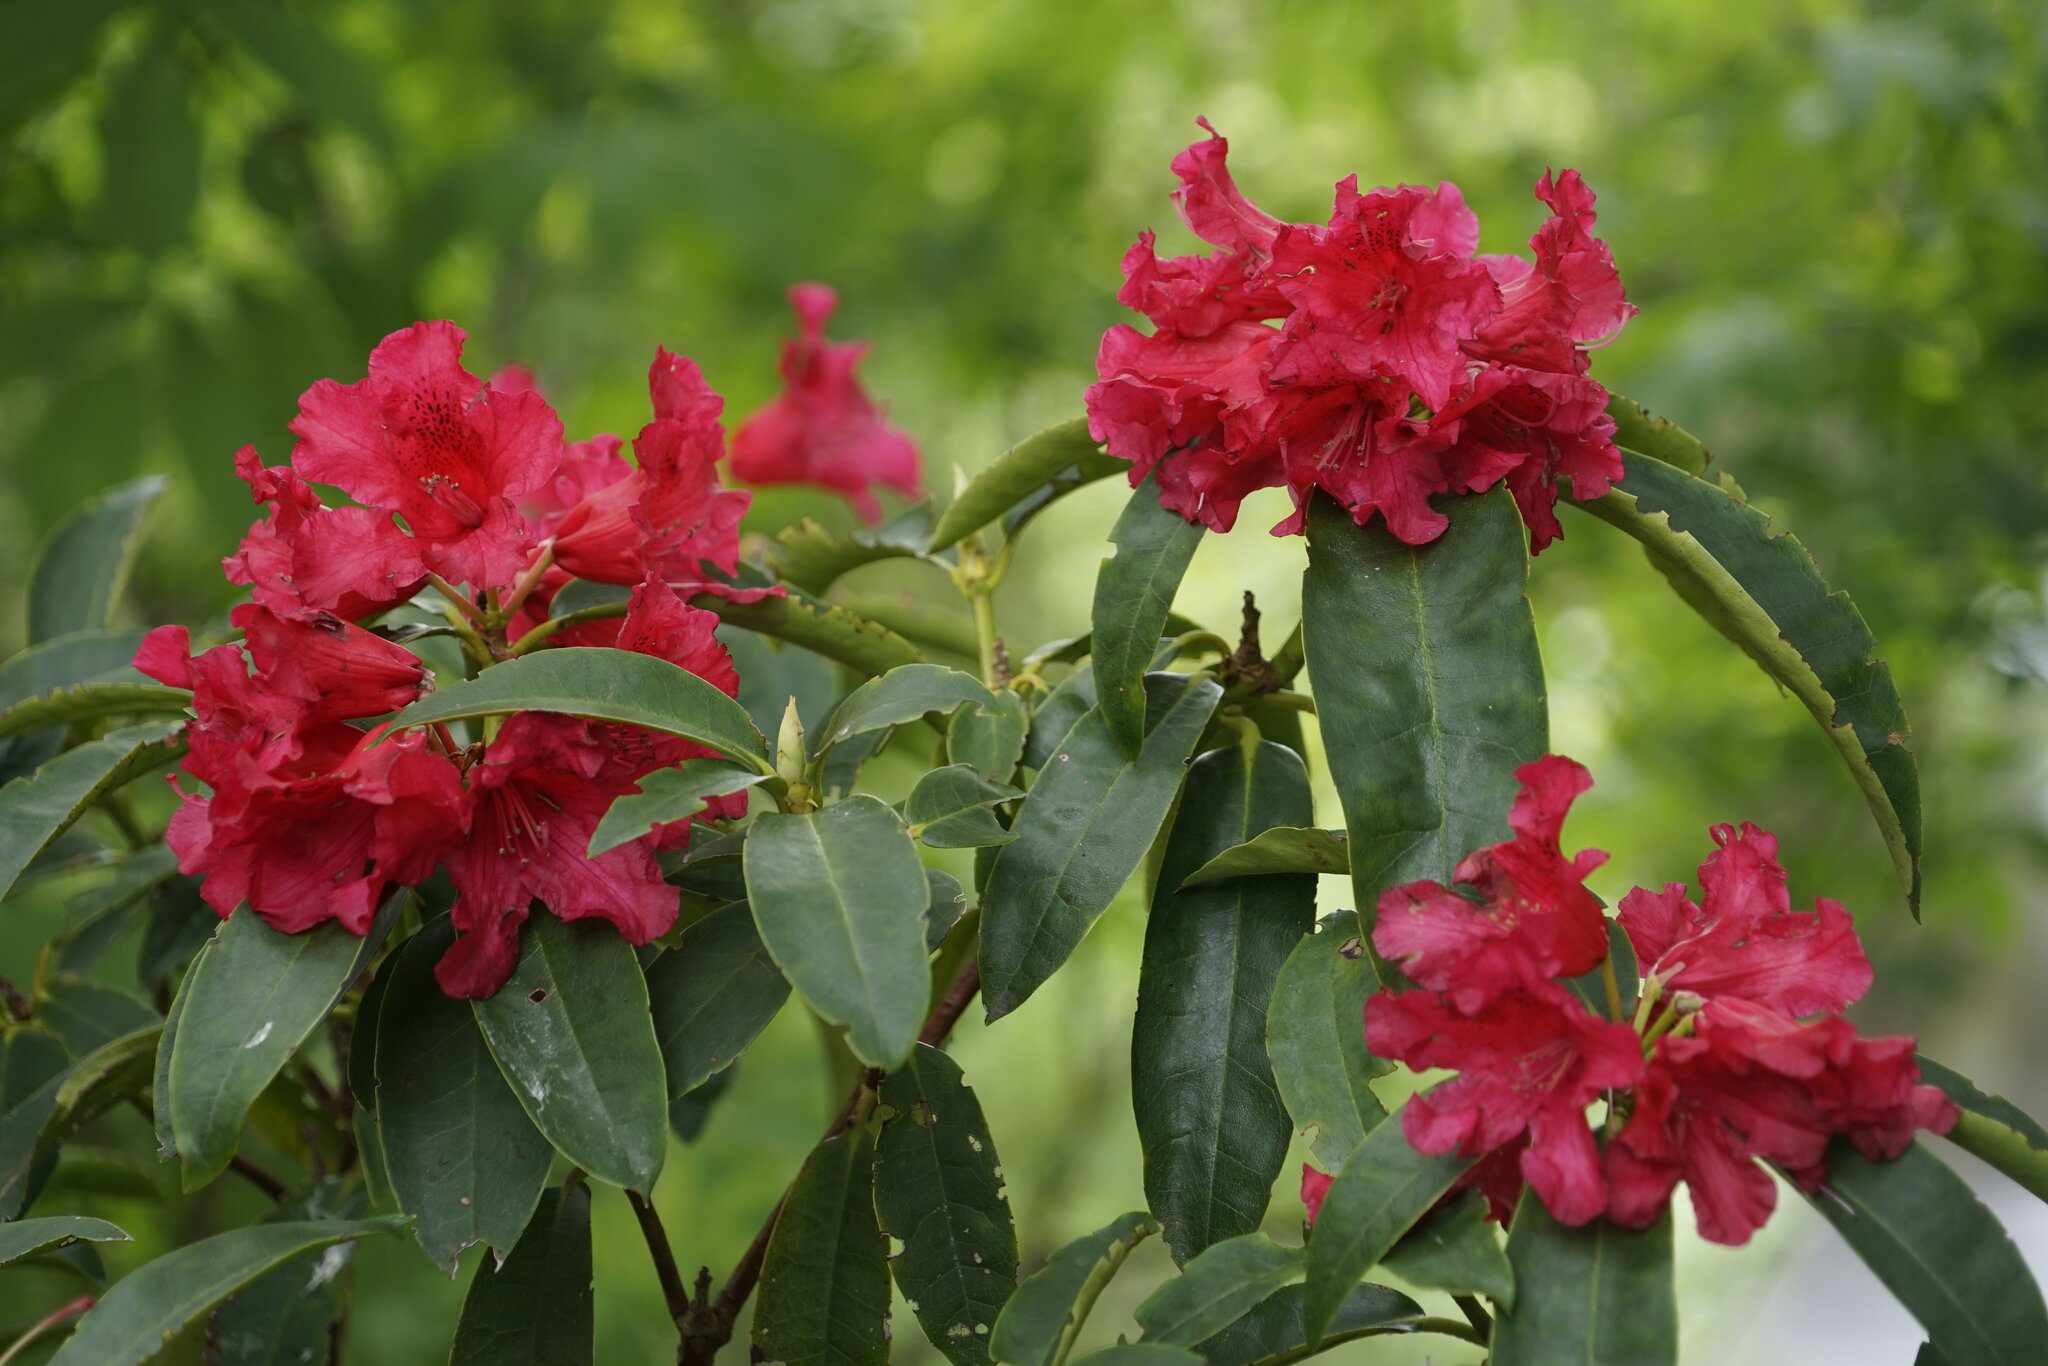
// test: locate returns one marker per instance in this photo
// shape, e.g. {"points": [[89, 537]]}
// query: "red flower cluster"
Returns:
{"points": [[1377, 357], [823, 428], [467, 485], [1737, 1051]]}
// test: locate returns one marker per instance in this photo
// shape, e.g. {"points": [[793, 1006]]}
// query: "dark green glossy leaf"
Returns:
{"points": [[99, 916], [362, 1037], [824, 1295], [244, 1010], [33, 1065], [27, 1237], [1056, 713], [691, 1111], [1140, 1354], [135, 1318], [1383, 1190], [949, 809], [1969, 1096], [151, 151], [1210, 1120], [669, 794], [1455, 1248], [1285, 849], [1427, 714], [36, 809], [1217, 1288], [947, 904], [606, 685], [939, 1191], [712, 995], [1940, 1252], [813, 558], [1021, 472], [1272, 1332], [461, 1153], [572, 1033], [1657, 437], [840, 897], [75, 581], [900, 695], [1315, 1038], [1763, 591], [1037, 1327], [837, 634], [535, 1309], [288, 1316], [1601, 1294], [66, 661], [177, 925], [1993, 1129], [990, 739], [1081, 832], [86, 1015], [1134, 591]]}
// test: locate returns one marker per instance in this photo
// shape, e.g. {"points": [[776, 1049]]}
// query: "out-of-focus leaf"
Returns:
{"points": [[1284, 849], [572, 1033], [288, 1314], [1038, 1326], [27, 1237], [948, 902], [535, 1308], [712, 995], [824, 1294], [178, 922], [1081, 832], [605, 685], [36, 809], [771, 673], [100, 915], [1454, 1248], [1763, 591], [1601, 1294], [949, 809], [86, 1015], [669, 794], [1427, 715], [1134, 591], [691, 1111], [900, 695], [840, 897], [31, 1132], [151, 1304], [322, 77], [1139, 1354], [1210, 1121], [1272, 1332], [32, 1068], [87, 656], [1315, 1037], [939, 1192], [150, 135], [1217, 1288], [49, 42], [813, 558], [1021, 472]]}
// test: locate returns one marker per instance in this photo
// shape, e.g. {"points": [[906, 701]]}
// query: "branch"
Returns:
{"points": [[672, 1292], [259, 1178], [706, 1327]]}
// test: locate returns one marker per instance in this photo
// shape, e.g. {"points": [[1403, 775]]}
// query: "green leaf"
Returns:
{"points": [[1591, 987], [946, 904], [1272, 1332], [1966, 1093], [1383, 1190], [100, 915], [87, 1015], [92, 702], [1081, 832], [33, 1066], [49, 43], [1140, 1354], [1210, 1121], [151, 148], [141, 1312], [840, 635], [115, 1071], [1427, 714], [461, 1153], [813, 558], [840, 897], [36, 809], [27, 1237], [949, 809], [824, 1295], [1038, 1326], [990, 739], [669, 794], [1601, 1294], [243, 1011], [534, 1308], [900, 695], [1657, 437], [939, 1191], [712, 995], [1058, 714], [1764, 592], [1021, 472], [1217, 1288], [89, 656], [1940, 1252], [76, 578], [1993, 1129], [1454, 1248], [1315, 1037], [605, 685], [1134, 591], [290, 1314], [572, 1032], [1283, 849]]}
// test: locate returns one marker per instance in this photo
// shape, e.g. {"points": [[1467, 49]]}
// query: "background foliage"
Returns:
{"points": [[1834, 217]]}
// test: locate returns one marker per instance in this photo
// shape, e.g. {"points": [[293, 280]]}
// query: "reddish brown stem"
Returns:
{"points": [[259, 1178], [45, 1324]]}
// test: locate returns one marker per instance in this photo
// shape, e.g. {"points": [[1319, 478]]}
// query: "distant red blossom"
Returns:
{"points": [[1376, 357]]}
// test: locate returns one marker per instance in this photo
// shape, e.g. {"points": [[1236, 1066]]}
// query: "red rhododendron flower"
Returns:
{"points": [[308, 557], [1404, 366], [425, 439], [1314, 1186], [1536, 920], [823, 428]]}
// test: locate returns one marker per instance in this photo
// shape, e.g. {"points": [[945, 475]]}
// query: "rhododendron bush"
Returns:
{"points": [[476, 874]]}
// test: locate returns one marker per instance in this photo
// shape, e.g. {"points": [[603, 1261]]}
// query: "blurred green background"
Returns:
{"points": [[1834, 218]]}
